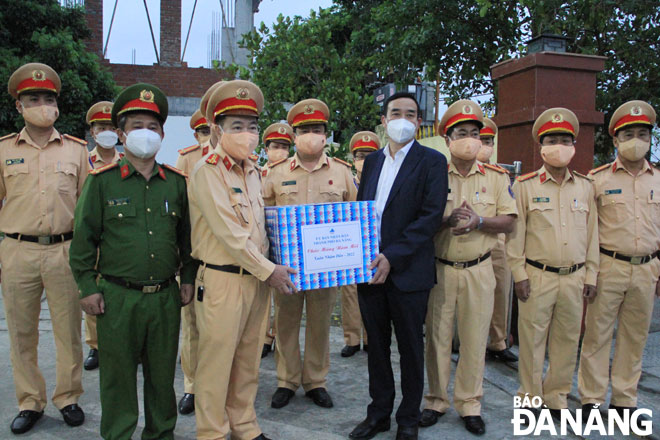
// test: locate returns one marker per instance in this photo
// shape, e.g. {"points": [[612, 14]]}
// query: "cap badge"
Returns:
{"points": [[146, 96], [309, 109], [557, 118], [636, 111], [38, 75], [107, 109], [242, 93], [365, 138], [467, 110], [281, 130]]}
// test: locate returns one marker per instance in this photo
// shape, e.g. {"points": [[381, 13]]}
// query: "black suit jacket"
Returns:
{"points": [[413, 214]]}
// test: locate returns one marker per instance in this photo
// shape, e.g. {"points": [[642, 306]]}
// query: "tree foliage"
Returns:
{"points": [[43, 31]]}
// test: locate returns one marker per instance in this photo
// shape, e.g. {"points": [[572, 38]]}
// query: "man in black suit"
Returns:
{"points": [[409, 184]]}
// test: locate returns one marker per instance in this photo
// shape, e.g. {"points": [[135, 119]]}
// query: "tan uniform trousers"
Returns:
{"points": [[625, 292], [498, 335], [552, 316], [189, 346], [467, 295], [231, 321], [292, 371], [91, 339], [271, 329], [28, 269], [351, 319]]}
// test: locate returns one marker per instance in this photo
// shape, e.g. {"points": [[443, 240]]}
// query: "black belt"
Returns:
{"points": [[42, 239], [465, 264], [144, 288], [567, 270], [228, 268], [632, 260]]}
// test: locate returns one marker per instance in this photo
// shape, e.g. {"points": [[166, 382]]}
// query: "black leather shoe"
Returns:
{"points": [[368, 428], [555, 413], [320, 397], [281, 397], [261, 437], [475, 424], [430, 417], [365, 347], [267, 349], [92, 361], [505, 355], [187, 404], [586, 410], [631, 409], [73, 415], [349, 350], [406, 433], [25, 420]]}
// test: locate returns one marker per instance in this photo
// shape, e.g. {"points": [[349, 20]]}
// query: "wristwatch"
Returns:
{"points": [[481, 223]]}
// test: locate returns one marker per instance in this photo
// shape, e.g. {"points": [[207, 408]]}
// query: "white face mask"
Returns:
{"points": [[106, 139], [143, 143], [401, 130], [634, 149]]}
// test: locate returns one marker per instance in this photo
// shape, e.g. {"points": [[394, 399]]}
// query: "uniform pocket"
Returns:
{"points": [[540, 215], [330, 194], [67, 177], [119, 213], [613, 206], [287, 195], [16, 177], [484, 205], [580, 213], [653, 202], [241, 208]]}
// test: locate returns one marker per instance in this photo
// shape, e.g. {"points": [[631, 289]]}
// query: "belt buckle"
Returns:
{"points": [[150, 289], [565, 270], [459, 265], [44, 239], [637, 260]]}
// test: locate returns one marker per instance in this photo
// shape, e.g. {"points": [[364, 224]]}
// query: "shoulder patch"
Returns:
{"points": [[527, 176], [187, 150], [495, 168], [7, 136], [104, 168], [213, 159], [272, 165], [174, 170], [600, 168], [582, 175], [343, 162], [75, 139], [253, 157]]}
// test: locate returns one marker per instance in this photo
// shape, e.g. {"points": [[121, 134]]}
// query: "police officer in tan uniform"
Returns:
{"points": [[361, 145], [628, 199], [497, 348], [186, 161], [277, 140], [103, 132], [480, 206], [553, 254], [310, 176], [229, 239], [41, 176]]}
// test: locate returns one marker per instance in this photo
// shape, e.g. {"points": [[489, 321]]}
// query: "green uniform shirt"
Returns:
{"points": [[141, 229]]}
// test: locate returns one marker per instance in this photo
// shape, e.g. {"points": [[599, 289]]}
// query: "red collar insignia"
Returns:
{"points": [[227, 163], [124, 171]]}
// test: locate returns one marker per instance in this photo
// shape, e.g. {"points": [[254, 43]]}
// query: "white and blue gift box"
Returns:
{"points": [[329, 244]]}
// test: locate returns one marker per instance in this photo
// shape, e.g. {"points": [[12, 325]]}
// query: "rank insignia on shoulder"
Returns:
{"points": [[600, 168], [343, 162], [104, 168], [496, 168], [7, 136], [75, 139], [278, 162], [187, 150], [213, 159], [175, 170], [581, 175], [527, 176]]}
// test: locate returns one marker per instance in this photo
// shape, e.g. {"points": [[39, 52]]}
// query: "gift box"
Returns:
{"points": [[329, 244]]}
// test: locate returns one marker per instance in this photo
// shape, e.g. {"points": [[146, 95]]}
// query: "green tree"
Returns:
{"points": [[43, 31]]}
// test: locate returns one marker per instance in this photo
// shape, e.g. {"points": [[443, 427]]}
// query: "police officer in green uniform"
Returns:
{"points": [[135, 213]]}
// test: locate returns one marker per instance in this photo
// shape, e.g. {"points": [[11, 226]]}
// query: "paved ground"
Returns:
{"points": [[301, 419]]}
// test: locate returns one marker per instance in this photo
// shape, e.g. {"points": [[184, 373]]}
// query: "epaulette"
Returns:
{"points": [[600, 168], [75, 139], [495, 168], [253, 157], [582, 175], [104, 168], [343, 162], [527, 176], [175, 170], [187, 150], [7, 136], [213, 159], [272, 165]]}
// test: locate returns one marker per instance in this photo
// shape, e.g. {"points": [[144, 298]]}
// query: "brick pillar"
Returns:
{"points": [[170, 32], [94, 16], [528, 86]]}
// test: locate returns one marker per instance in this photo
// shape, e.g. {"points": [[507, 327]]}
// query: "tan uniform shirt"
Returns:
{"points": [[557, 225], [628, 209], [488, 192], [40, 185], [96, 161], [288, 183], [227, 215], [188, 157]]}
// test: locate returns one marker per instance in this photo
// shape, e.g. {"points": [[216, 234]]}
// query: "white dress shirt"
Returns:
{"points": [[388, 173]]}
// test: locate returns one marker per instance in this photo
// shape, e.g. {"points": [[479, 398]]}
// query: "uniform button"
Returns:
{"points": [[43, 191], [563, 224], [151, 233], [147, 186], [636, 197], [153, 256], [42, 170], [120, 215], [148, 209], [561, 206], [151, 278], [173, 213], [637, 217], [636, 238], [565, 243]]}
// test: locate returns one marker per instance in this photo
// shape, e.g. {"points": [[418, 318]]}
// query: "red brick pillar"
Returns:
{"points": [[170, 32], [94, 16], [528, 86]]}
